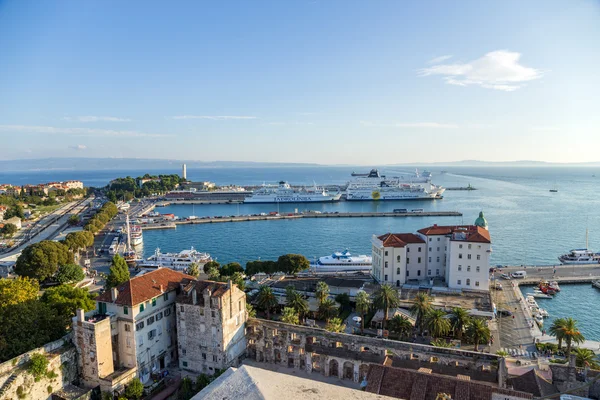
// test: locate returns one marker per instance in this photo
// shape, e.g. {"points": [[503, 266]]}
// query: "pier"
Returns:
{"points": [[244, 218]]}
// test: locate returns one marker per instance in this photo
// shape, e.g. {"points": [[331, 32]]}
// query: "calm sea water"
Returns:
{"points": [[529, 225], [575, 301]]}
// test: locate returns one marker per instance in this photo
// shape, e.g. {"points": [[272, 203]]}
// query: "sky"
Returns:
{"points": [[319, 81]]}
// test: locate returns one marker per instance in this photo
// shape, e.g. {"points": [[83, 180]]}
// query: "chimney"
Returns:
{"points": [[194, 297], [114, 292], [161, 288], [229, 284], [80, 315]]}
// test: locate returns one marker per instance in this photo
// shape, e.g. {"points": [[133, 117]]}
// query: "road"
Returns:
{"points": [[548, 272], [514, 332]]}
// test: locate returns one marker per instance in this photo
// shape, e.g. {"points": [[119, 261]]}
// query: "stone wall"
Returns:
{"points": [[348, 356], [19, 360], [62, 362]]}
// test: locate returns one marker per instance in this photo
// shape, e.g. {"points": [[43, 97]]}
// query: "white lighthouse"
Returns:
{"points": [[184, 172]]}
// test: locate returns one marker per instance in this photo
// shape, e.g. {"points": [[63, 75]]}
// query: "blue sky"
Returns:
{"points": [[352, 82]]}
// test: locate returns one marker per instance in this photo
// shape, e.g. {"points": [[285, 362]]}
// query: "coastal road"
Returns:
{"points": [[514, 332], [547, 272]]}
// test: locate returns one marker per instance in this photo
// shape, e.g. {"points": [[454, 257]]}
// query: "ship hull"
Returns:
{"points": [[292, 199]]}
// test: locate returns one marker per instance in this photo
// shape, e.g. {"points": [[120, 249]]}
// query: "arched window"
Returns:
{"points": [[398, 283]]}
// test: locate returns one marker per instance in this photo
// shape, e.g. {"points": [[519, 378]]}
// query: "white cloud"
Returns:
{"points": [[75, 131], [78, 147], [214, 117], [93, 118], [498, 70], [434, 125], [438, 59], [545, 128]]}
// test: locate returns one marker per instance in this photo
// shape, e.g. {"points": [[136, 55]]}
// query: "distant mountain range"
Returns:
{"points": [[147, 164]]}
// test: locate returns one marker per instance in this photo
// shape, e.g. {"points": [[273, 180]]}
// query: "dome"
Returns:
{"points": [[481, 221]]}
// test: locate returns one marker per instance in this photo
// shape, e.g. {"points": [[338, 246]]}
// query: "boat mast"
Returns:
{"points": [[586, 238], [128, 233]]}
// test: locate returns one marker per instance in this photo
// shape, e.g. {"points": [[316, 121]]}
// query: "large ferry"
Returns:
{"points": [[373, 186], [342, 262], [177, 261], [284, 193], [580, 256], [136, 235]]}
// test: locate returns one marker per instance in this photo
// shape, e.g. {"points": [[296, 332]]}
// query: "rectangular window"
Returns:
{"points": [[438, 259], [167, 312], [204, 356], [438, 249], [183, 352], [125, 310], [386, 253], [213, 314], [459, 255], [460, 246], [477, 269], [201, 311], [430, 249], [476, 283], [407, 273], [139, 326], [150, 320], [166, 296], [430, 239], [469, 246], [437, 272], [152, 334], [419, 273], [428, 272], [154, 302], [419, 249], [240, 305], [429, 259], [215, 358], [159, 316], [385, 279], [141, 340], [419, 260], [460, 267], [184, 363], [181, 309], [478, 257], [102, 308], [468, 282], [407, 260], [438, 239], [458, 282], [386, 264], [408, 249], [398, 258], [142, 307], [468, 256], [468, 268]]}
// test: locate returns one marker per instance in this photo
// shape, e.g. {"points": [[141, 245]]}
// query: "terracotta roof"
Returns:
{"points": [[473, 233], [146, 287], [399, 239], [410, 384]]}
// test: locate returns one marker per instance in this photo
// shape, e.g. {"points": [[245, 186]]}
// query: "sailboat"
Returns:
{"points": [[554, 189], [580, 256], [193, 216]]}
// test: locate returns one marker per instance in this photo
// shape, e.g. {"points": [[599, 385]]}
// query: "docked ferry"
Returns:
{"points": [[373, 186], [284, 193], [177, 261], [580, 256], [342, 262], [136, 236]]}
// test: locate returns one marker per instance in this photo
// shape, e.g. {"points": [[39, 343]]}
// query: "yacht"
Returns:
{"points": [[284, 193], [580, 256], [177, 261], [136, 236], [342, 262], [373, 186]]}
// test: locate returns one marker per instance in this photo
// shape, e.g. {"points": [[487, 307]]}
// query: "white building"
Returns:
{"points": [[132, 331], [460, 255]]}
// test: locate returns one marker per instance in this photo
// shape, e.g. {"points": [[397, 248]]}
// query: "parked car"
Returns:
{"points": [[506, 276], [504, 313]]}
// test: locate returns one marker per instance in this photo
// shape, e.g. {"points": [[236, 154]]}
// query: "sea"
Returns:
{"points": [[528, 224]]}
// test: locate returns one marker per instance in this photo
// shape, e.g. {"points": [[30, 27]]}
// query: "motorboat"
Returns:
{"points": [[342, 261], [541, 296]]}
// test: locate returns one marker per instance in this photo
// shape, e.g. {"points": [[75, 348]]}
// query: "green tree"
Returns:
{"points": [[295, 300], [363, 305], [459, 318], [8, 230], [420, 308], [76, 241], [118, 272], [440, 343], [327, 309], [571, 334], [134, 390], [322, 292], [69, 273], [556, 330], [335, 325], [292, 263], [290, 316], [19, 290], [266, 300], [400, 325], [213, 274], [73, 220], [67, 299], [15, 211], [250, 311], [186, 390], [231, 268], [211, 264], [238, 279], [193, 269], [41, 260], [343, 300], [478, 331], [586, 358], [386, 297], [437, 323]]}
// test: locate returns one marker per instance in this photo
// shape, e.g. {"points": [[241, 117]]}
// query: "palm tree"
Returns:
{"points": [[459, 318], [386, 297], [437, 324], [478, 331], [571, 334], [290, 316], [335, 325], [421, 306], [586, 358], [556, 330], [266, 300], [327, 309], [440, 343], [401, 325], [322, 292], [294, 300], [363, 305]]}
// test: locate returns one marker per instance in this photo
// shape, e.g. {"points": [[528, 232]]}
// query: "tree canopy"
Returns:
{"points": [[230, 269], [41, 260], [384, 298], [118, 272], [19, 290], [287, 263], [69, 273], [79, 240], [8, 230]]}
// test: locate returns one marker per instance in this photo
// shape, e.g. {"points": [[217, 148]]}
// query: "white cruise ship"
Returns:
{"points": [[284, 193], [373, 186], [580, 256], [342, 262], [177, 261]]}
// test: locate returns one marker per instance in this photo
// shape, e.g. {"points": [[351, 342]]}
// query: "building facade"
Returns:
{"points": [[458, 255], [210, 326], [133, 327]]}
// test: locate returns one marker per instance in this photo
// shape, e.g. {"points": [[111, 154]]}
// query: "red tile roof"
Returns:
{"points": [[473, 233], [399, 239], [146, 287]]}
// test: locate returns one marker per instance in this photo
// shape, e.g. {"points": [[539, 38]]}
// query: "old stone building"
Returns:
{"points": [[210, 326]]}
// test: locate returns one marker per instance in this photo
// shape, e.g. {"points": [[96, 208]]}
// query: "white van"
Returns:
{"points": [[519, 274]]}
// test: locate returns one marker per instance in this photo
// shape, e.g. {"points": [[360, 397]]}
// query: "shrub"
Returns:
{"points": [[49, 389], [38, 366]]}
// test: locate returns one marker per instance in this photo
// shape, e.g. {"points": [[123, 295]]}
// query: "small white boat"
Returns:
{"points": [[543, 313], [342, 262], [539, 320], [542, 296]]}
